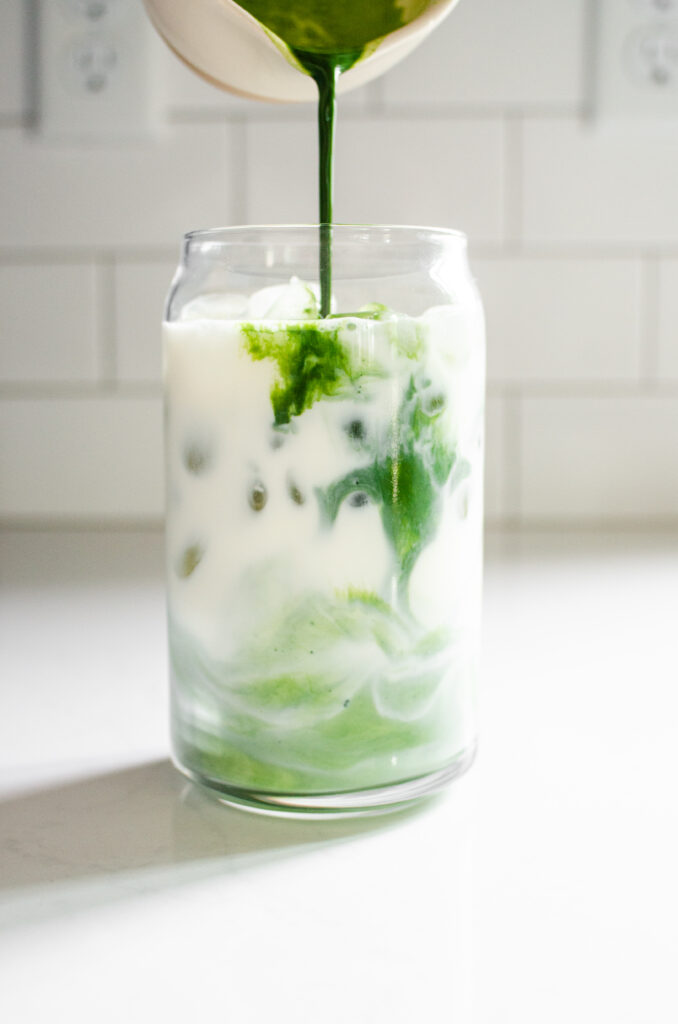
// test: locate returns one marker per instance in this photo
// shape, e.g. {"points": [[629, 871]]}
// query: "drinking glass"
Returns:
{"points": [[324, 515]]}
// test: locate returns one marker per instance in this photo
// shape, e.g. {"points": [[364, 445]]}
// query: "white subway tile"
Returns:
{"points": [[281, 189], [140, 292], [80, 458], [613, 458], [561, 319], [12, 51], [137, 194], [489, 52], [668, 320], [595, 183], [49, 328], [441, 172]]}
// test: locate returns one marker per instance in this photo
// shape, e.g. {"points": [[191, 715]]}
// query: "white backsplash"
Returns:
{"points": [[573, 231]]}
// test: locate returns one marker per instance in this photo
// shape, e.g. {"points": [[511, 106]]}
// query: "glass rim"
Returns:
{"points": [[225, 235]]}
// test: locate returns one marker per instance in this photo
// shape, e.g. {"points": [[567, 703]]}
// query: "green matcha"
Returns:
{"points": [[311, 363], [314, 642], [327, 27], [403, 479]]}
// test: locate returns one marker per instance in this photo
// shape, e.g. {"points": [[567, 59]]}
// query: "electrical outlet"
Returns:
{"points": [[652, 57], [637, 59], [98, 73]]}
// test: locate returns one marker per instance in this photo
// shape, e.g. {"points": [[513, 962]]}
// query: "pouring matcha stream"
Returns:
{"points": [[325, 71], [326, 40]]}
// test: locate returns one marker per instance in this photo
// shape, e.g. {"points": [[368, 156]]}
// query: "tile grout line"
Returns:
{"points": [[376, 106], [30, 391], [580, 388], [583, 524], [106, 322], [64, 522], [239, 165], [45, 255], [509, 392], [648, 323], [570, 251], [513, 181], [512, 470], [41, 257], [583, 389], [589, 47]]}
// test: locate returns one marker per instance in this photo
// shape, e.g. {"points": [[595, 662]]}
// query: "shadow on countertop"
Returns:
{"points": [[140, 829]]}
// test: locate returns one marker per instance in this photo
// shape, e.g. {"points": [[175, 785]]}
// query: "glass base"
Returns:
{"points": [[357, 803]]}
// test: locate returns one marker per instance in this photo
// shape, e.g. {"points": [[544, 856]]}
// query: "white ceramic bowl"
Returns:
{"points": [[230, 48]]}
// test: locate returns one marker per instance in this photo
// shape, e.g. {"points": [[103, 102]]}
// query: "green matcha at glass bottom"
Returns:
{"points": [[324, 528]]}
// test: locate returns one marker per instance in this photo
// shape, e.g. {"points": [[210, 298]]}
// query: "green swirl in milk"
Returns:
{"points": [[407, 472], [326, 689], [311, 363], [341, 687]]}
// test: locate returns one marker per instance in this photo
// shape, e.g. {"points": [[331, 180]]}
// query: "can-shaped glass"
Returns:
{"points": [[324, 515]]}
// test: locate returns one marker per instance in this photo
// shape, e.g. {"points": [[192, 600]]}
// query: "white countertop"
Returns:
{"points": [[541, 888]]}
